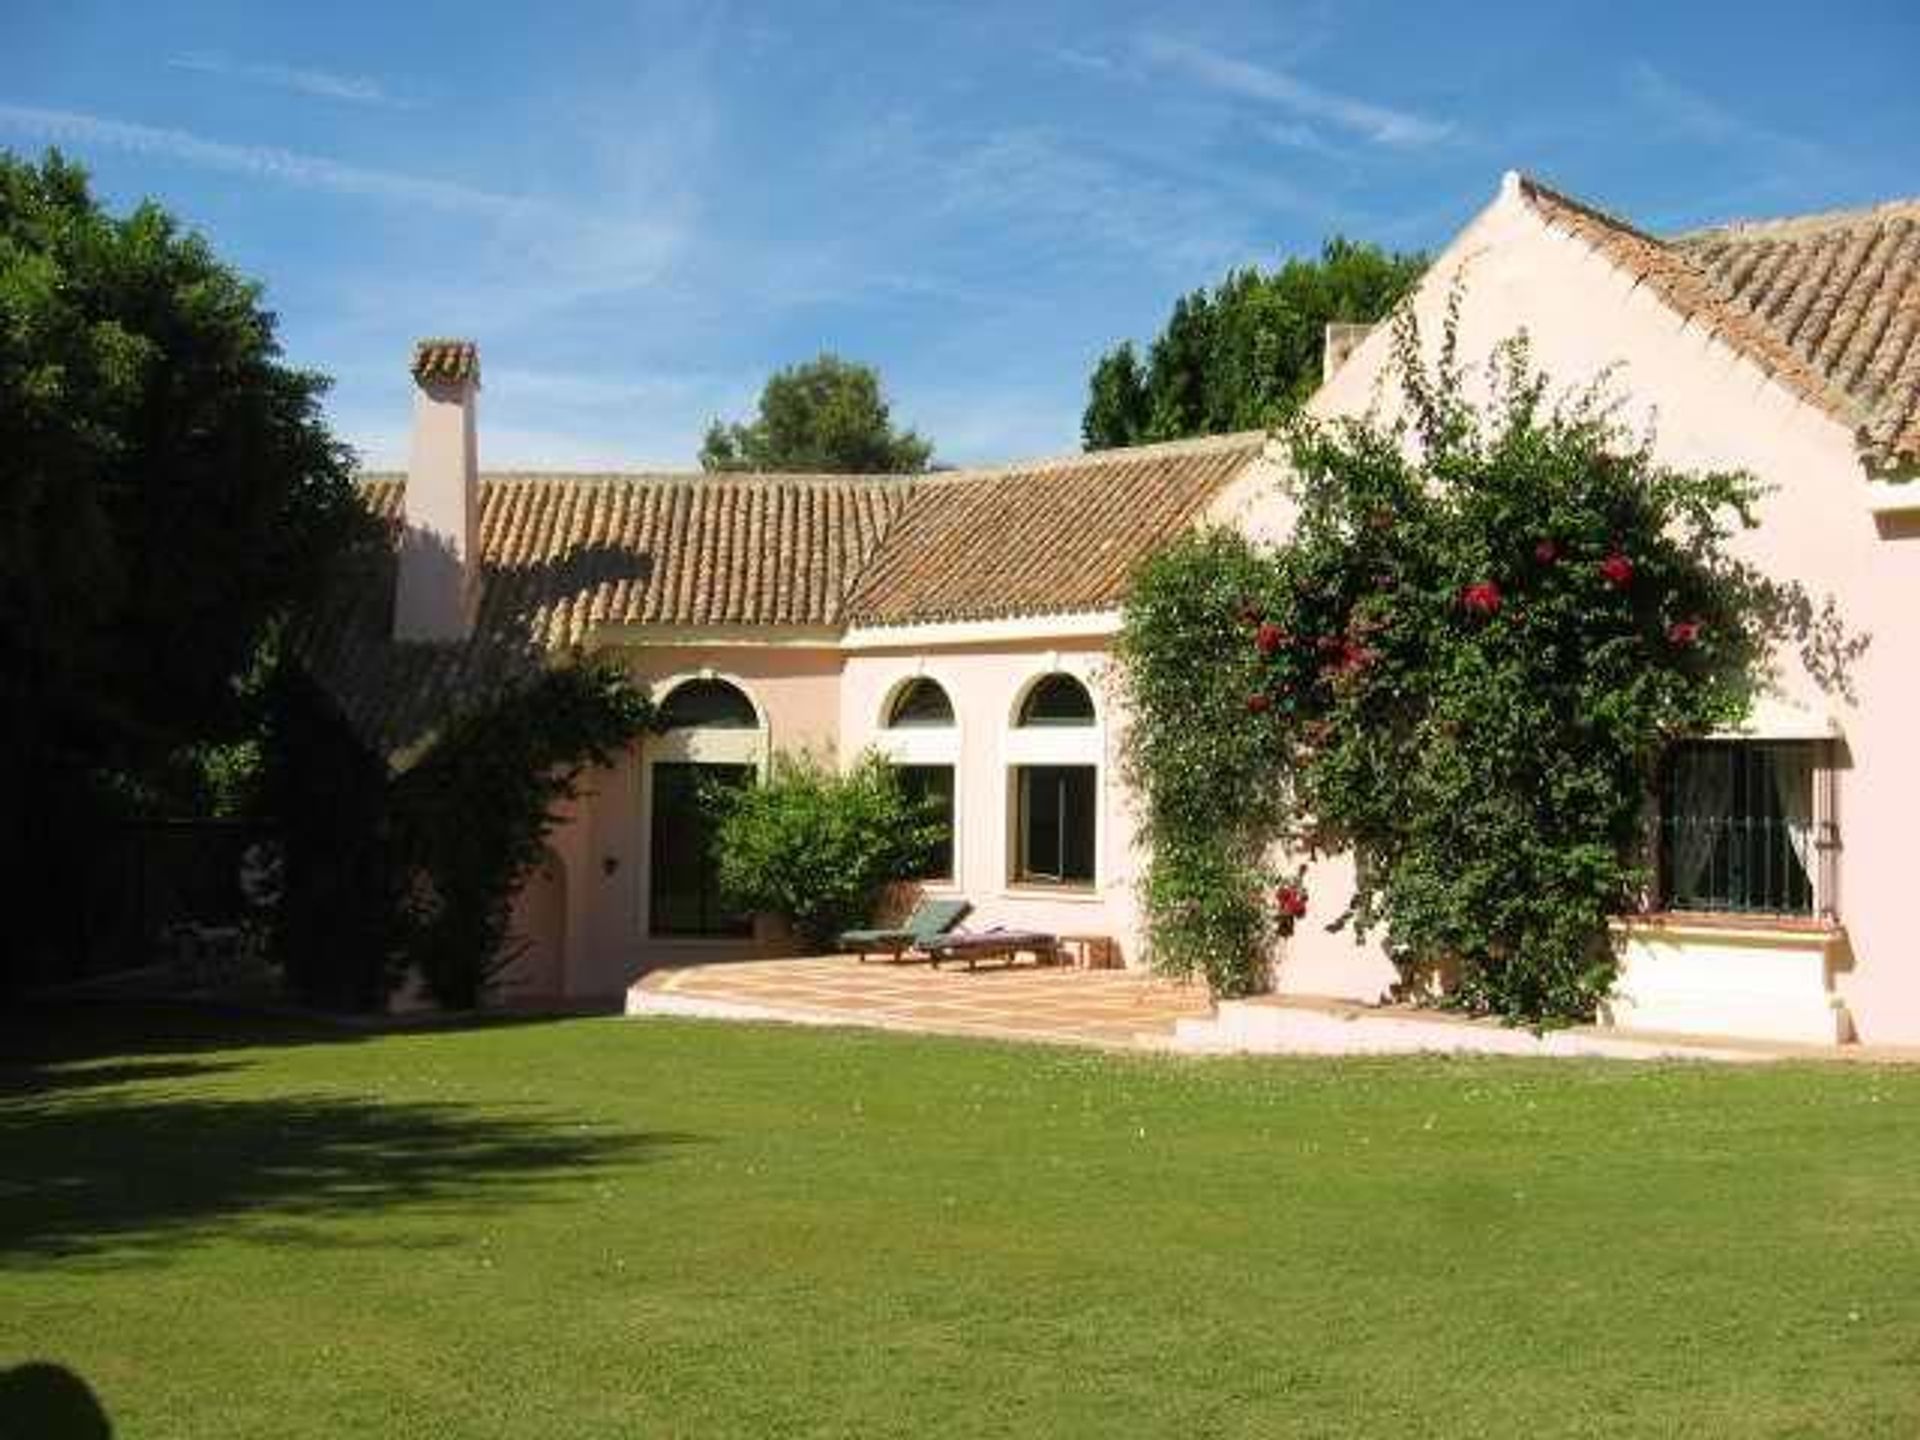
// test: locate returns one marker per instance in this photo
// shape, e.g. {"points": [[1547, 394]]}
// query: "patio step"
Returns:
{"points": [[1270, 1025]]}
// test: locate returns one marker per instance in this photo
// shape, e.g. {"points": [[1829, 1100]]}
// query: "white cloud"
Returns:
{"points": [[1378, 123], [579, 255], [266, 162], [1689, 114], [1290, 136], [324, 84], [1089, 61]]}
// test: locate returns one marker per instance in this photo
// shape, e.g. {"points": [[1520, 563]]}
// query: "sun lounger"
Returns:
{"points": [[973, 946], [930, 920]]}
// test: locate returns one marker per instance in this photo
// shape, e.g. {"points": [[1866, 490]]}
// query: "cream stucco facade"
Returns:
{"points": [[831, 700], [1850, 971]]}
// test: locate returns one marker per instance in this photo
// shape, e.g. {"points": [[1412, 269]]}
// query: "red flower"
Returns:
{"points": [[1292, 902], [1481, 599], [1545, 552], [1269, 637], [1683, 633], [1617, 570], [1259, 704], [1353, 657]]}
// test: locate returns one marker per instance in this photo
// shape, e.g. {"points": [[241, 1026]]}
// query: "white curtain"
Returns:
{"points": [[1703, 795], [1793, 789]]}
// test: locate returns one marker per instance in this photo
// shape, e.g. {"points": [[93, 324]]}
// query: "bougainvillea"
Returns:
{"points": [[1485, 629]]}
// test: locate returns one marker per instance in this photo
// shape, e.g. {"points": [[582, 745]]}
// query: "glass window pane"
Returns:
{"points": [[1055, 824], [708, 705], [1736, 828], [1057, 700], [932, 785], [683, 878], [920, 703]]}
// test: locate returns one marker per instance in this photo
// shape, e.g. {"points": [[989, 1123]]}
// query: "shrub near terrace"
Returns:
{"points": [[1463, 668]]}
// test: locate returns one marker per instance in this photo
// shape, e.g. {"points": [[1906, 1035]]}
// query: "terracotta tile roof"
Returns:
{"points": [[562, 554], [1829, 305], [446, 360], [1843, 290], [1041, 537]]}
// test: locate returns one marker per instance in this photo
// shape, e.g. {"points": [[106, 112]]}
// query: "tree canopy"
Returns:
{"points": [[1244, 354], [169, 491], [825, 416]]}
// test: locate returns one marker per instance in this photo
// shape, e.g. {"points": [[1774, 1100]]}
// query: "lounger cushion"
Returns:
{"points": [[930, 919], [848, 939]]}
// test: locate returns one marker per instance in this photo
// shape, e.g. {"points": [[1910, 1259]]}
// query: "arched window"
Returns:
{"points": [[708, 705], [688, 769], [1056, 787], [1057, 700], [920, 704]]}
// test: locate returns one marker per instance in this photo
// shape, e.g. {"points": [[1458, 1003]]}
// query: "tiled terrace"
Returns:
{"points": [[1119, 1009]]}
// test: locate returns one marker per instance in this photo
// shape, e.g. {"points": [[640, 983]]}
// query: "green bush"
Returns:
{"points": [[1463, 668], [817, 846]]}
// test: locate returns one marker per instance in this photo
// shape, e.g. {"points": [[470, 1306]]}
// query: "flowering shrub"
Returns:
{"points": [[1484, 631]]}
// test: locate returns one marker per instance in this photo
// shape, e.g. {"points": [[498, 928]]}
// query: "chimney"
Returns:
{"points": [[1343, 338], [439, 571]]}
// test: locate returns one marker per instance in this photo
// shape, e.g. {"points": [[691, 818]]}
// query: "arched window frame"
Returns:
{"points": [[700, 745], [897, 697], [1056, 744], [1031, 693], [717, 684], [915, 745]]}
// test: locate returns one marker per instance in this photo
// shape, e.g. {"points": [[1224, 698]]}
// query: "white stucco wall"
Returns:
{"points": [[985, 684], [1708, 409]]}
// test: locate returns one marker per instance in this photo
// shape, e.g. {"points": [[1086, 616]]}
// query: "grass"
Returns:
{"points": [[613, 1228]]}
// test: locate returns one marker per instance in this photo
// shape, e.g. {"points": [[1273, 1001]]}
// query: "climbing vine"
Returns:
{"points": [[1462, 668]]}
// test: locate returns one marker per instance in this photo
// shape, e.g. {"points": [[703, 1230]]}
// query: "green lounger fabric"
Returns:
{"points": [[930, 918]]}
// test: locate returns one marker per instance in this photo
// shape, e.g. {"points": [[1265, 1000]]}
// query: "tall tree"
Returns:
{"points": [[1243, 354], [827, 415], [167, 491]]}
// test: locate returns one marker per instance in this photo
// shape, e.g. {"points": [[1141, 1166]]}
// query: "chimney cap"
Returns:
{"points": [[442, 359]]}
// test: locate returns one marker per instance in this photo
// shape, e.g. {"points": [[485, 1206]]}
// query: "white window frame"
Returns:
{"points": [[1022, 746]]}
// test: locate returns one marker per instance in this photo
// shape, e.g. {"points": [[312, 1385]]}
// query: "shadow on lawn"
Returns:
{"points": [[90, 1170], [128, 1173], [49, 1402], [67, 1032]]}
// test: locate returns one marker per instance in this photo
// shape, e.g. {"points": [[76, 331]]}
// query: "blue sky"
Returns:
{"points": [[641, 209]]}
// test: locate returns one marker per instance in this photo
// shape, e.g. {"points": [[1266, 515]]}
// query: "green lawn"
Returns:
{"points": [[610, 1228]]}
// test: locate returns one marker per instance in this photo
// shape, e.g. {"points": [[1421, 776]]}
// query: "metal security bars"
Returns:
{"points": [[1738, 829]]}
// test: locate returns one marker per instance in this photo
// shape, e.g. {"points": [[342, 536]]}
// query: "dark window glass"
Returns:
{"points": [[932, 786], [1736, 828], [708, 705], [684, 882], [1057, 700], [920, 703], [1054, 824]]}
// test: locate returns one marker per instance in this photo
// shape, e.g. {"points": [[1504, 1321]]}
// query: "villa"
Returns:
{"points": [[961, 623]]}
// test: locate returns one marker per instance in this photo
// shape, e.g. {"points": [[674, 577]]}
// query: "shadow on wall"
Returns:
{"points": [[44, 1401]]}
